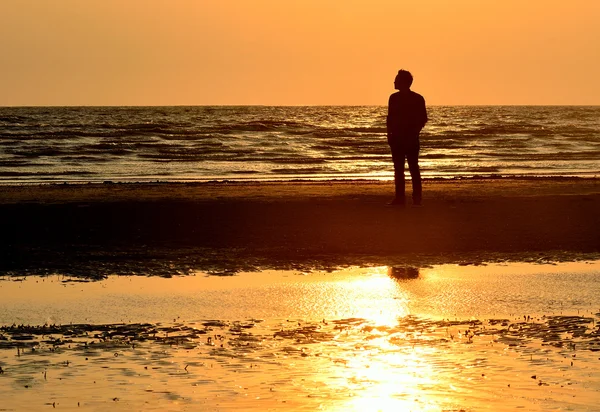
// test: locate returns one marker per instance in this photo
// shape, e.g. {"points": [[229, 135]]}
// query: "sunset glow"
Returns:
{"points": [[151, 52]]}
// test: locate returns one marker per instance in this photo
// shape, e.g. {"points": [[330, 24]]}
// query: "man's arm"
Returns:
{"points": [[423, 111], [389, 116]]}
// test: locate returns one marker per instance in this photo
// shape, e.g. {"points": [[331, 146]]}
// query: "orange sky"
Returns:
{"points": [[297, 52]]}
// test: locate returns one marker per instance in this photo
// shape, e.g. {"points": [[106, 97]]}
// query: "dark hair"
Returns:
{"points": [[404, 78]]}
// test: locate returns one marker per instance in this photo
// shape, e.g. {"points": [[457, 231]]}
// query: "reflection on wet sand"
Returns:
{"points": [[403, 272], [353, 340], [342, 364]]}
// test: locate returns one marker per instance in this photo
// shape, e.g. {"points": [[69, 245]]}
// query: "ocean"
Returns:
{"points": [[205, 143]]}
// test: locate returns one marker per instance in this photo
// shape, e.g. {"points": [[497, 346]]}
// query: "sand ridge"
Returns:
{"points": [[167, 229]]}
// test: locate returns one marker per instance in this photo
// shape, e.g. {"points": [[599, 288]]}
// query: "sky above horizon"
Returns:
{"points": [[298, 52]]}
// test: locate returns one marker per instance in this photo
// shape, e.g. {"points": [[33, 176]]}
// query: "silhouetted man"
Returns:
{"points": [[406, 117]]}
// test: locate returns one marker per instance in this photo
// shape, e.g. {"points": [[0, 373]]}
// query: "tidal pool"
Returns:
{"points": [[493, 337]]}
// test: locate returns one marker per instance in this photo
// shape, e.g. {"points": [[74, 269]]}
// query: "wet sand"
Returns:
{"points": [[393, 331], [163, 229], [498, 337]]}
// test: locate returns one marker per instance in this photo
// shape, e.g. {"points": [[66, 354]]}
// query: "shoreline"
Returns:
{"points": [[64, 192], [164, 229], [301, 179]]}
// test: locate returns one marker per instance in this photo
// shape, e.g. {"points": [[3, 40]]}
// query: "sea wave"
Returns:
{"points": [[224, 142]]}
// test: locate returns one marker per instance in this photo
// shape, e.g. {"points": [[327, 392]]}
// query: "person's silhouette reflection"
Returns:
{"points": [[406, 117], [404, 272]]}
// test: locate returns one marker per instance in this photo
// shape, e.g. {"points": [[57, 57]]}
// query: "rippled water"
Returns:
{"points": [[445, 338], [255, 142], [382, 294]]}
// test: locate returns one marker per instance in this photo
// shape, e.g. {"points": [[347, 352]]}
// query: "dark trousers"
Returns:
{"points": [[403, 152]]}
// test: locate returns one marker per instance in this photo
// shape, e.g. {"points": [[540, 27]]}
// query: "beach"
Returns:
{"points": [[301, 296], [498, 337], [198, 210], [100, 229]]}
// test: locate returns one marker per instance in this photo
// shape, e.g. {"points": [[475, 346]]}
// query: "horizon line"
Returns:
{"points": [[296, 105]]}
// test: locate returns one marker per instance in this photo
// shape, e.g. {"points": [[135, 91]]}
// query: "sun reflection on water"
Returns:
{"points": [[385, 372], [389, 378], [376, 297], [445, 338]]}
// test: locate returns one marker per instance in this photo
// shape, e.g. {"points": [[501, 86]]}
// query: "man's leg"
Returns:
{"points": [[398, 157], [412, 156]]}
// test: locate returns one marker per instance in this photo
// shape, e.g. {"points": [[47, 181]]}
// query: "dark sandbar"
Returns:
{"points": [[93, 230]]}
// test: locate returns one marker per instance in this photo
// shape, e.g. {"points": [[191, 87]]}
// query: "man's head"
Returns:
{"points": [[403, 80]]}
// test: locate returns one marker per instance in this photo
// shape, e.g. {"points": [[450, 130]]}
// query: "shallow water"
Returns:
{"points": [[377, 293], [495, 337]]}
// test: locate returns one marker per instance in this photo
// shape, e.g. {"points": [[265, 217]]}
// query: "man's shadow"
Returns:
{"points": [[403, 272]]}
